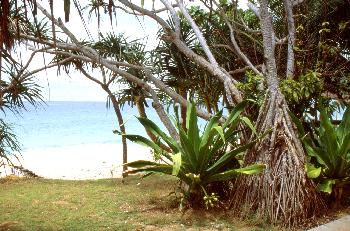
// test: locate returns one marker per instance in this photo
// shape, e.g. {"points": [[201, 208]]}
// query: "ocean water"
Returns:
{"points": [[63, 124]]}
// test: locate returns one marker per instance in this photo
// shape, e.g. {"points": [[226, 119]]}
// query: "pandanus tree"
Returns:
{"points": [[18, 89], [261, 40]]}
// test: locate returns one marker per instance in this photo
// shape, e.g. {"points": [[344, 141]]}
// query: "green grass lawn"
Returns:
{"points": [[109, 204]]}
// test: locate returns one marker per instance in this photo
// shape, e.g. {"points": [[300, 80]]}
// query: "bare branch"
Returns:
{"points": [[235, 44], [87, 75], [29, 73], [73, 47], [48, 66], [198, 33], [144, 11], [173, 16], [22, 70], [245, 26], [281, 41], [164, 9], [254, 8], [242, 70], [215, 70], [224, 46], [95, 57], [291, 38], [297, 2]]}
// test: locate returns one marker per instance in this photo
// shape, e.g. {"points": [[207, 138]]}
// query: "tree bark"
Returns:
{"points": [[283, 192], [121, 127]]}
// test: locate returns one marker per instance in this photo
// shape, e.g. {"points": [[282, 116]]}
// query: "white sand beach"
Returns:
{"points": [[80, 162]]}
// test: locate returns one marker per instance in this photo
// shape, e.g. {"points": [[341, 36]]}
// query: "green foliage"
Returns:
{"points": [[306, 87], [8, 144], [197, 159], [250, 87], [329, 145]]}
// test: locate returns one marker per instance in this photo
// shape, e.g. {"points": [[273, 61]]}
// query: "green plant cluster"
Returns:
{"points": [[307, 86], [251, 87], [9, 145], [198, 158], [329, 149]]}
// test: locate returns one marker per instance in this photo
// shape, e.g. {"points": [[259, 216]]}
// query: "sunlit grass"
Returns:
{"points": [[39, 204]]}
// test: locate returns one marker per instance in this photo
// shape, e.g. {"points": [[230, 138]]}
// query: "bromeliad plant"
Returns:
{"points": [[330, 147], [198, 158]]}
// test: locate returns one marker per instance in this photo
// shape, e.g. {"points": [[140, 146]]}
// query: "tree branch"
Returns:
{"points": [[254, 8], [242, 70], [297, 2], [173, 16], [235, 44], [198, 33], [291, 38], [233, 93]]}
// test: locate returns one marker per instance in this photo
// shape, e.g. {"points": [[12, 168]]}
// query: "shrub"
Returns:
{"points": [[329, 145], [197, 159]]}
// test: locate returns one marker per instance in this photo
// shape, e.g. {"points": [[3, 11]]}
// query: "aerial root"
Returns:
{"points": [[282, 193]]}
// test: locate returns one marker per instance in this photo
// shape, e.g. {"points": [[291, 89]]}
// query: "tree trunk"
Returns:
{"points": [[283, 192], [121, 126]]}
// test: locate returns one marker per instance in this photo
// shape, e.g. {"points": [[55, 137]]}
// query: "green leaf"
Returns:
{"points": [[188, 153], [160, 168], [212, 123], [236, 111], [176, 163], [222, 176], [228, 157], [344, 126], [312, 172], [140, 164], [326, 186], [298, 123], [192, 128], [152, 127], [249, 123], [143, 141], [317, 153], [252, 169], [220, 131], [230, 174], [329, 138]]}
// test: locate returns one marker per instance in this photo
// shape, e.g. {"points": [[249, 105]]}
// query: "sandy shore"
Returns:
{"points": [[91, 161]]}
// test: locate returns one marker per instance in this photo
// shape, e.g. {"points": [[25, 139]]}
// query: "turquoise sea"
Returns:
{"points": [[61, 124]]}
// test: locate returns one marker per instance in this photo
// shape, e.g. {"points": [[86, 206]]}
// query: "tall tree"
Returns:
{"points": [[283, 191]]}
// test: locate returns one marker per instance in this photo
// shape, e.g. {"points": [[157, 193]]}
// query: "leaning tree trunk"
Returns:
{"points": [[121, 126], [283, 192]]}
